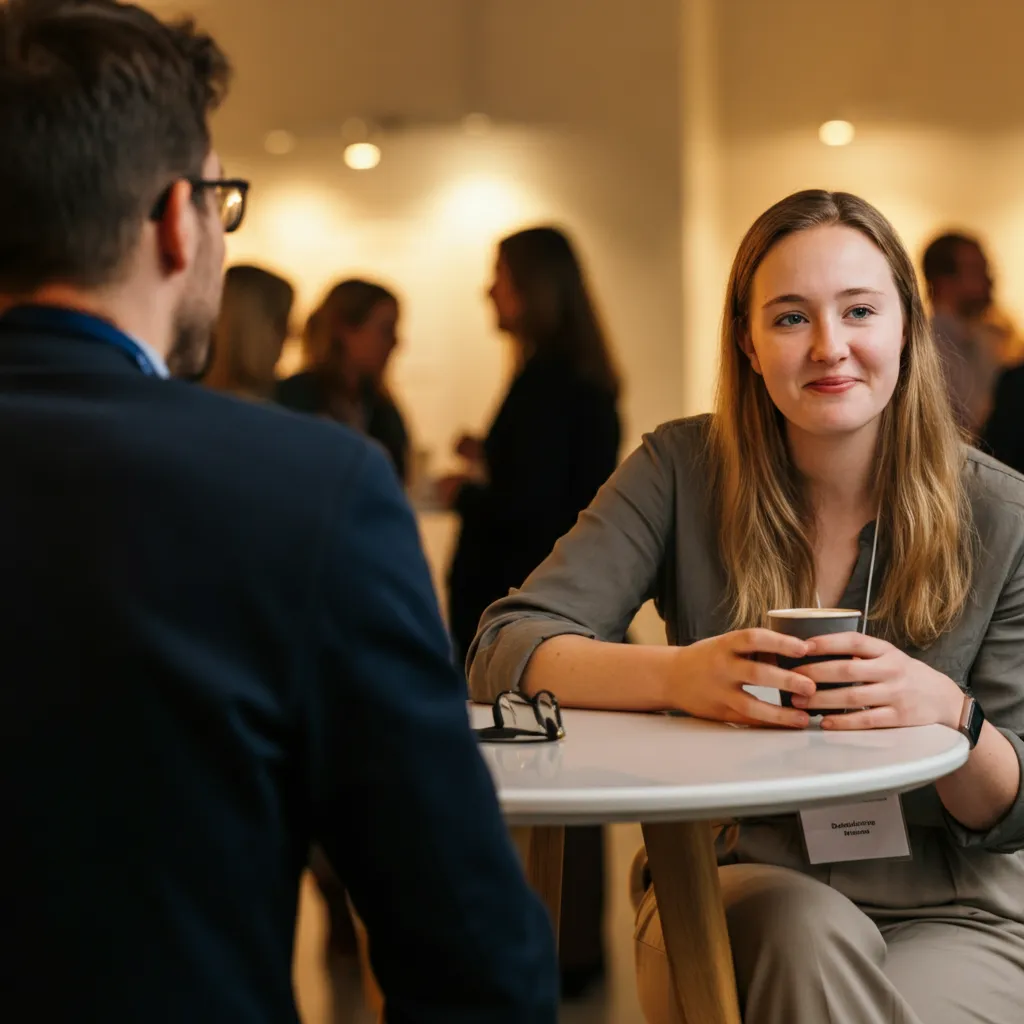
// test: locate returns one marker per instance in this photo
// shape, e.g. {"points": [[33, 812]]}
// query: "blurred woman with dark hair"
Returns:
{"points": [[555, 439], [251, 331], [553, 444], [349, 341]]}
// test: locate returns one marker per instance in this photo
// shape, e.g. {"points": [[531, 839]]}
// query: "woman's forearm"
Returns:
{"points": [[980, 794], [584, 673]]}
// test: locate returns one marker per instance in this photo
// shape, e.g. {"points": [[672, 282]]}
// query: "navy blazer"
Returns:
{"points": [[220, 645]]}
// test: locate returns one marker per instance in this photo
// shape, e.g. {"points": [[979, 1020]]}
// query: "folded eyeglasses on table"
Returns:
{"points": [[522, 719]]}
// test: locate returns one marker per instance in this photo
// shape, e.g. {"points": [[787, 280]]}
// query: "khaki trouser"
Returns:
{"points": [[805, 954]]}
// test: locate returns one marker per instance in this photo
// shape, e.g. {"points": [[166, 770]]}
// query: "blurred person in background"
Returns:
{"points": [[1003, 436], [251, 331], [552, 445], [220, 638], [1006, 337], [960, 286], [349, 341]]}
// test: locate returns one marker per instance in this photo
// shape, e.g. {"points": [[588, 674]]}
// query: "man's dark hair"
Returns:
{"points": [[102, 107], [941, 257]]}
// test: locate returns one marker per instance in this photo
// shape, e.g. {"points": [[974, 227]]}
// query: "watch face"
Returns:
{"points": [[972, 721]]}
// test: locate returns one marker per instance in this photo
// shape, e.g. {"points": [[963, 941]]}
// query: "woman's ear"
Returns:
{"points": [[747, 345]]}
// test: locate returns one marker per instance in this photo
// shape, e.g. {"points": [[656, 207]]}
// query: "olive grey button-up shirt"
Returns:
{"points": [[649, 534]]}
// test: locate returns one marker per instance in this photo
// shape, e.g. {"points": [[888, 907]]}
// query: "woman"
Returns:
{"points": [[251, 331], [349, 341], [555, 439], [553, 444], [832, 425]]}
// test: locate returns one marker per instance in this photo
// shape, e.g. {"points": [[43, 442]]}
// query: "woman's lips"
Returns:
{"points": [[832, 385]]}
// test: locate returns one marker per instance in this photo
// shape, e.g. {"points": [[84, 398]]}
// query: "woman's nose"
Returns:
{"points": [[828, 345]]}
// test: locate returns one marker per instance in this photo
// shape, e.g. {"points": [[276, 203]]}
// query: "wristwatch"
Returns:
{"points": [[972, 718]]}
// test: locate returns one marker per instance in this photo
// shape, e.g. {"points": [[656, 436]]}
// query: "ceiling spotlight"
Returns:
{"points": [[362, 156], [476, 125], [836, 133], [279, 143]]}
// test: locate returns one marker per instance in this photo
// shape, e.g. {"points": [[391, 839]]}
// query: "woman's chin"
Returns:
{"points": [[837, 422]]}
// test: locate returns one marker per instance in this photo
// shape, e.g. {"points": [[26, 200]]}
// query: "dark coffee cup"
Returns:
{"points": [[807, 623]]}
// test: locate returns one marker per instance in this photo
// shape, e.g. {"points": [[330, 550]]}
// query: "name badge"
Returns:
{"points": [[870, 830]]}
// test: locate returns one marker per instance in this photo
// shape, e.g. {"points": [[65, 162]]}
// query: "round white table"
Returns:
{"points": [[676, 776]]}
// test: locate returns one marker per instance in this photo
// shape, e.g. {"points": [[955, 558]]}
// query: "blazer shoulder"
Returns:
{"points": [[268, 439]]}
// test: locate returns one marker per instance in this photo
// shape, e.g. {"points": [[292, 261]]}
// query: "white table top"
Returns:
{"points": [[648, 768]]}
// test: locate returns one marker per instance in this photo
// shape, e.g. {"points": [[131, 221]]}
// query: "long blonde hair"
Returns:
{"points": [[766, 525], [251, 330]]}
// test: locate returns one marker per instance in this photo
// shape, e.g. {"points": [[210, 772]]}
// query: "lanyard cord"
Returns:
{"points": [[871, 572]]}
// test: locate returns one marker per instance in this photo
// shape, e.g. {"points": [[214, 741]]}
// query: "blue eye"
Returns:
{"points": [[790, 320], [861, 312]]}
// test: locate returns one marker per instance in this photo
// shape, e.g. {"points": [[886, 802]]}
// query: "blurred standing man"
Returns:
{"points": [[960, 285], [220, 641]]}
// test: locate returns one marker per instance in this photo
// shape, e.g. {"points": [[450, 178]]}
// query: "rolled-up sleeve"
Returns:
{"points": [[594, 581], [997, 681]]}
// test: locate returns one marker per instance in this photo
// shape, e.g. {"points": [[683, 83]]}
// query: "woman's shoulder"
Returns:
{"points": [[996, 494], [992, 483], [674, 453], [683, 439]]}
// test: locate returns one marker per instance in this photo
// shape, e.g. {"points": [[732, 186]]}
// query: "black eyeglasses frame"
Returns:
{"points": [[551, 729], [200, 185]]}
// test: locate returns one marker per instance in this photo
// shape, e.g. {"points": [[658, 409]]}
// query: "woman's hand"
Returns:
{"points": [[896, 690], [710, 676]]}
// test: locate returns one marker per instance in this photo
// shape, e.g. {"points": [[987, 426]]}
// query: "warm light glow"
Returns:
{"points": [[297, 221], [362, 156], [483, 205], [476, 125], [279, 143], [836, 133]]}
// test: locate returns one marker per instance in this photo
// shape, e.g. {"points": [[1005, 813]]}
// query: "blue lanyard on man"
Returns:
{"points": [[87, 328]]}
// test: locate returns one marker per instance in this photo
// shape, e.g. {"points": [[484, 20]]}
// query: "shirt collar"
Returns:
{"points": [[158, 361]]}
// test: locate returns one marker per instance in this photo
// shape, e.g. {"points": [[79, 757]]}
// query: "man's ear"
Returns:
{"points": [[176, 229], [747, 344]]}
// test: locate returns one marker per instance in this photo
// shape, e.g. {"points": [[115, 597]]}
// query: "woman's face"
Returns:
{"points": [[507, 304], [368, 347], [826, 329]]}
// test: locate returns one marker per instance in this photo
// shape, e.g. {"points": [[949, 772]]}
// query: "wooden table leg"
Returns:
{"points": [[541, 849], [685, 875]]}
